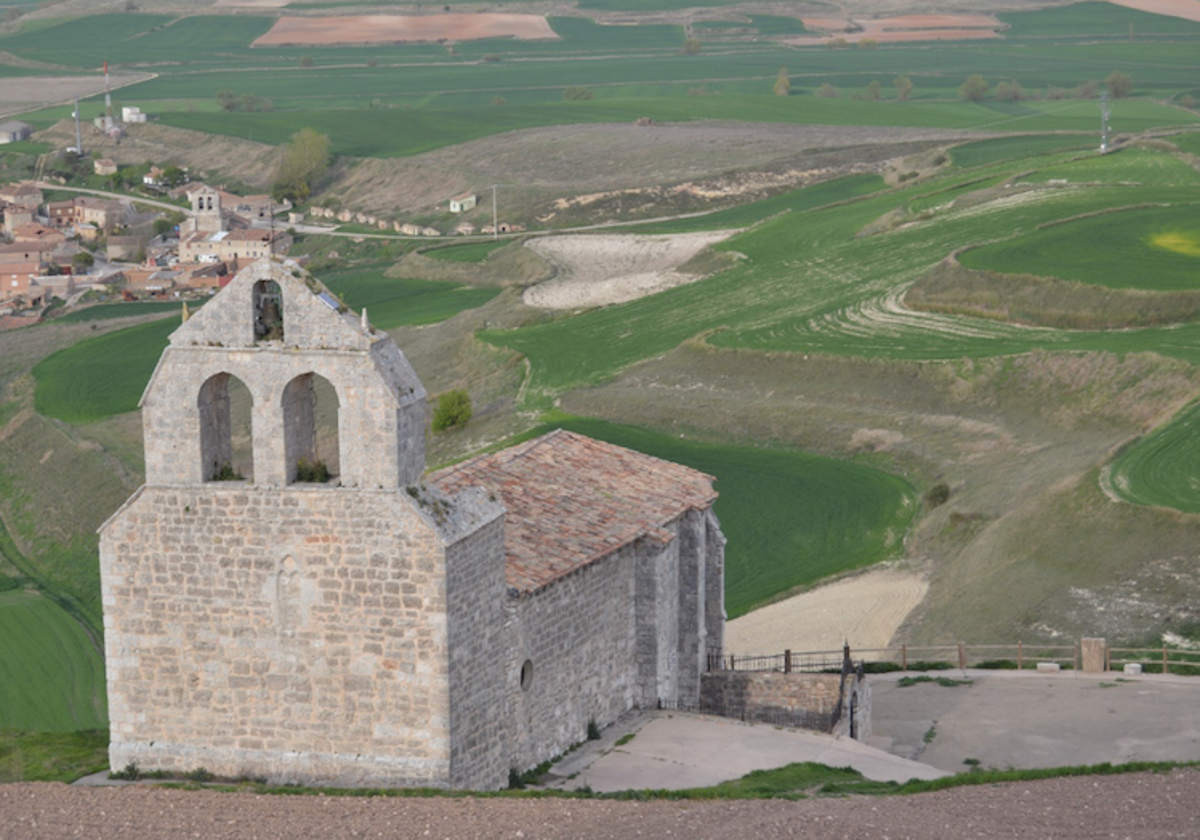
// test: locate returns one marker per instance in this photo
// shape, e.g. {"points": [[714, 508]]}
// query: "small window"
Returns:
{"points": [[526, 675]]}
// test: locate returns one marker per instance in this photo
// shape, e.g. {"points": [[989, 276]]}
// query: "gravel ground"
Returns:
{"points": [[1134, 806]]}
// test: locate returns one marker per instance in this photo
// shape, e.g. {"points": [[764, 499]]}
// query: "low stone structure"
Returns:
{"points": [[380, 628]]}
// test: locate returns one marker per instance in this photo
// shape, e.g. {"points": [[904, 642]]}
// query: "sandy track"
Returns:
{"points": [[602, 269], [396, 29], [865, 611]]}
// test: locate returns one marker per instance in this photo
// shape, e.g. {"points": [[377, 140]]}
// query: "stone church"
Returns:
{"points": [[377, 625]]}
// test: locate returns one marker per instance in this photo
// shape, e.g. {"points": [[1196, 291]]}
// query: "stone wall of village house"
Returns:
{"points": [[297, 634]]}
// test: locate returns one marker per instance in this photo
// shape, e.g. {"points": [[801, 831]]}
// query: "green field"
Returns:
{"points": [[106, 311], [791, 518], [44, 648], [467, 252], [391, 302], [985, 152], [1157, 249], [1162, 468], [101, 376]]}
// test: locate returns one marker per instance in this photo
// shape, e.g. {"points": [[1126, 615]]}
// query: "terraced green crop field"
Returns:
{"points": [[813, 283], [1156, 249], [791, 518], [51, 675]]}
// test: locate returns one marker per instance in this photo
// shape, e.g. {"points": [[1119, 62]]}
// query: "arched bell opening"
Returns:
{"points": [[226, 452]]}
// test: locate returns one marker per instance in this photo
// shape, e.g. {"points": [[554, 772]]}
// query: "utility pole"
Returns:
{"points": [[495, 220]]}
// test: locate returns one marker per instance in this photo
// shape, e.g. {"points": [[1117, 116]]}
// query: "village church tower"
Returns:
{"points": [[380, 627]]}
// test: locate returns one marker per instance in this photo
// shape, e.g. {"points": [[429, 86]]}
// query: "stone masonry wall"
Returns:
{"points": [[578, 634], [297, 634], [767, 695], [479, 659]]}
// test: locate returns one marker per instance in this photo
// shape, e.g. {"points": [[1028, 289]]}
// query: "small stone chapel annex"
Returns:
{"points": [[384, 627]]}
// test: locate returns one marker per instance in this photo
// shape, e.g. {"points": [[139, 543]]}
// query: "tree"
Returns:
{"points": [[691, 46], [174, 176], [162, 227], [306, 62], [453, 409], [249, 101], [499, 100], [783, 85], [904, 87], [1010, 91], [82, 261], [868, 44], [227, 99], [974, 88], [575, 93], [1119, 85], [305, 159], [1086, 90], [828, 91], [872, 92]]}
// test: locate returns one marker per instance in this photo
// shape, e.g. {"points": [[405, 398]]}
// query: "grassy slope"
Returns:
{"points": [[51, 675]]}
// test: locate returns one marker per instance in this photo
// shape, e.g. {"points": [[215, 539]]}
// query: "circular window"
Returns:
{"points": [[526, 675]]}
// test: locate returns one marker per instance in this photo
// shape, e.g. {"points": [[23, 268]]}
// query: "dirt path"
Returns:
{"points": [[598, 270], [865, 611]]}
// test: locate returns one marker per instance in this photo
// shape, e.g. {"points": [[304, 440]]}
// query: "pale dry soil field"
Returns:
{"points": [[398, 29], [603, 269]]}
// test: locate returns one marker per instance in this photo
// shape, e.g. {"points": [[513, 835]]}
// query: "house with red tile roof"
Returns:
{"points": [[366, 624]]}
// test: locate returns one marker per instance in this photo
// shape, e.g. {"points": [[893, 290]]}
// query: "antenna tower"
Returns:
{"points": [[1105, 112], [78, 133], [108, 120]]}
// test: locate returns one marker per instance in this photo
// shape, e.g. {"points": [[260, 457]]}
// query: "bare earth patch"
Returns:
{"points": [[905, 28], [865, 611], [397, 29], [598, 270], [31, 92], [1186, 9]]}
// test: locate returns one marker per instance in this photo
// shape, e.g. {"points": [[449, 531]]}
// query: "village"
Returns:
{"points": [[88, 247]]}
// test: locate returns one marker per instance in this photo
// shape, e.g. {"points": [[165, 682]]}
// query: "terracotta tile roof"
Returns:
{"points": [[572, 500]]}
